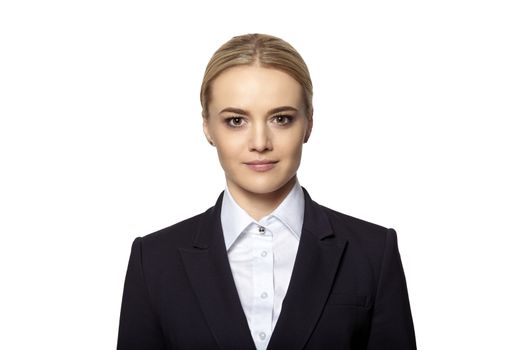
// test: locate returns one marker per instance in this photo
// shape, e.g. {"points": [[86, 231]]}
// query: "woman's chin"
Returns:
{"points": [[263, 186]]}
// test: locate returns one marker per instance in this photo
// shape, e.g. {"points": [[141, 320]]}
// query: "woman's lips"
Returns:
{"points": [[261, 166]]}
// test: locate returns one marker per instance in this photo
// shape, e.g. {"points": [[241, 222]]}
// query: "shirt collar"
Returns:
{"points": [[290, 213]]}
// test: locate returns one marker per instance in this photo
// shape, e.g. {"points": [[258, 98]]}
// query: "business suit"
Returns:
{"points": [[347, 289]]}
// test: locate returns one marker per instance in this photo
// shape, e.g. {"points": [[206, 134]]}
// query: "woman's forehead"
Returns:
{"points": [[256, 87]]}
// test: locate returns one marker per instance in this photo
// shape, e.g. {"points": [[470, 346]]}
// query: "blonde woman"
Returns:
{"points": [[266, 267]]}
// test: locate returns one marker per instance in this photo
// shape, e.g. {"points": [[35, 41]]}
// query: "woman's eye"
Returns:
{"points": [[235, 122], [282, 119]]}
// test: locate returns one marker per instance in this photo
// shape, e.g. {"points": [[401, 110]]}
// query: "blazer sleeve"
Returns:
{"points": [[139, 328], [392, 326]]}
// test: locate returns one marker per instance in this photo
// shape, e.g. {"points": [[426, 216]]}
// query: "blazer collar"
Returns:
{"points": [[316, 263], [210, 276], [315, 222]]}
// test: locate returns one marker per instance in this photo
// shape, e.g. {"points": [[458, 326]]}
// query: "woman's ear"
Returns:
{"points": [[206, 131]]}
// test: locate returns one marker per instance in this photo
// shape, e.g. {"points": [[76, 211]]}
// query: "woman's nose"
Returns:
{"points": [[260, 138]]}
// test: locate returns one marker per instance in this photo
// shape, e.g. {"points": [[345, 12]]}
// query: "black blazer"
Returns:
{"points": [[347, 289]]}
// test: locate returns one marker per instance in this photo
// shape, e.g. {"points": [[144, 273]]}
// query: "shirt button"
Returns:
{"points": [[264, 253], [264, 295], [261, 230], [262, 335]]}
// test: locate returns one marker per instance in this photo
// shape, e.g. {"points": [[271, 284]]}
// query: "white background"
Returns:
{"points": [[419, 108]]}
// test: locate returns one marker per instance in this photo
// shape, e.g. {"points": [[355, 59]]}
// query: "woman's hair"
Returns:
{"points": [[257, 49]]}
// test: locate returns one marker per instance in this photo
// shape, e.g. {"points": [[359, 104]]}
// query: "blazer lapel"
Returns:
{"points": [[211, 278], [313, 274]]}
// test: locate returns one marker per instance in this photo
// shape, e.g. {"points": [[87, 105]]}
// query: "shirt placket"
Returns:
{"points": [[262, 287]]}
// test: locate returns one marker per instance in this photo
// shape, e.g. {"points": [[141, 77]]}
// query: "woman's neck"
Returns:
{"points": [[259, 205]]}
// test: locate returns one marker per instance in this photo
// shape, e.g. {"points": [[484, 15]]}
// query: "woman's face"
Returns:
{"points": [[257, 122]]}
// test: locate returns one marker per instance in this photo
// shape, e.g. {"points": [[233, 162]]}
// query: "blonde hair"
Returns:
{"points": [[265, 50]]}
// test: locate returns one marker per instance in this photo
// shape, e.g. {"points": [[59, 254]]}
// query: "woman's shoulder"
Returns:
{"points": [[356, 229], [365, 239], [343, 224]]}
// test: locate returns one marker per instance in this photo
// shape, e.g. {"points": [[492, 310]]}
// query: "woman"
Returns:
{"points": [[265, 267]]}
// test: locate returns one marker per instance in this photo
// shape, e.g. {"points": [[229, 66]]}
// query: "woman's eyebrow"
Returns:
{"points": [[234, 110], [282, 109], [272, 111]]}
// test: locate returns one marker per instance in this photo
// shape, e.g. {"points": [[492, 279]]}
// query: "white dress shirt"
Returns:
{"points": [[262, 254]]}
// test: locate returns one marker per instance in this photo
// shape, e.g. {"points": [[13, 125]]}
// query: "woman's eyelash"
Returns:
{"points": [[238, 121], [288, 118]]}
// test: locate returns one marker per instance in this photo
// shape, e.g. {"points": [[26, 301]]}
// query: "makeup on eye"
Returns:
{"points": [[239, 121], [235, 122], [283, 119]]}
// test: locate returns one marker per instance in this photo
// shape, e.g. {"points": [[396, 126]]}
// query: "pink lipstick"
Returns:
{"points": [[261, 165]]}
